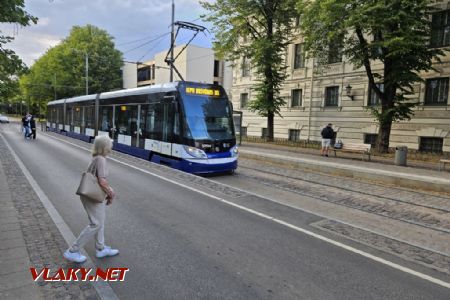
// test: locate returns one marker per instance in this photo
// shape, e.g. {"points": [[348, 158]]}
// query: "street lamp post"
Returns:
{"points": [[87, 73]]}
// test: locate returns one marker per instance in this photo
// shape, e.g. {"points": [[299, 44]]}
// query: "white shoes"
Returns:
{"points": [[107, 251], [74, 256]]}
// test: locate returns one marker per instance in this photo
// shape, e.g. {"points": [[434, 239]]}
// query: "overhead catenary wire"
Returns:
{"points": [[146, 43], [138, 40], [150, 49], [153, 36]]}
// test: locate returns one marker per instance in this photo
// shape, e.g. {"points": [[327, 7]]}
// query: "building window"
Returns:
{"points": [[216, 68], [431, 144], [332, 96], [215, 82], [153, 71], [245, 67], [294, 135], [370, 139], [436, 91], [299, 56], [297, 20], [264, 133], [243, 131], [335, 49], [244, 100], [296, 98], [374, 99], [440, 29], [143, 74]]}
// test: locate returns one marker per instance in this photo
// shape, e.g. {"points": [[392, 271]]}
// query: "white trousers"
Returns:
{"points": [[96, 215]]}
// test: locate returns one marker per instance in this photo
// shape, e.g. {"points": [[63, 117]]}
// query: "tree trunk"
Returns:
{"points": [[270, 117], [384, 134], [387, 104], [268, 72]]}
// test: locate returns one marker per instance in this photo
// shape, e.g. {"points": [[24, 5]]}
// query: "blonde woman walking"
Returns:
{"points": [[95, 211]]}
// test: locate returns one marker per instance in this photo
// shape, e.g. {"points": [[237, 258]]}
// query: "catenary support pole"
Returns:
{"points": [[172, 37]]}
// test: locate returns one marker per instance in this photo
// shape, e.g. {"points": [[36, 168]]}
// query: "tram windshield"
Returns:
{"points": [[208, 118]]}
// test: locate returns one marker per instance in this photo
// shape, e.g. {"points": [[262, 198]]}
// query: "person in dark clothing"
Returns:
{"points": [[26, 125], [327, 135], [33, 127]]}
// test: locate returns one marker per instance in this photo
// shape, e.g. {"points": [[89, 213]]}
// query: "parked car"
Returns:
{"points": [[4, 119]]}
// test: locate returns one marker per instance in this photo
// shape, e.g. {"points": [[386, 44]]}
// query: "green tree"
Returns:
{"points": [[11, 12], [395, 33], [61, 71], [259, 31]]}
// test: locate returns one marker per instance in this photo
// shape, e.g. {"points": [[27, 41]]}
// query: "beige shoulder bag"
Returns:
{"points": [[89, 186]]}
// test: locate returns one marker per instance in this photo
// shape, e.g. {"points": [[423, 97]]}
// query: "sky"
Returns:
{"points": [[140, 27]]}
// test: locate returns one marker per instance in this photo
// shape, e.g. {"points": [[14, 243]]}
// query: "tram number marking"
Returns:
{"points": [[202, 91]]}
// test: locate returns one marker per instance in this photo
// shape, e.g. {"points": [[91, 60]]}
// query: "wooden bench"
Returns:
{"points": [[442, 163], [355, 148]]}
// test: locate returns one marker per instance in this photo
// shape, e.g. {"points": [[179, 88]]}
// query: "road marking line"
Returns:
{"points": [[281, 222], [102, 288]]}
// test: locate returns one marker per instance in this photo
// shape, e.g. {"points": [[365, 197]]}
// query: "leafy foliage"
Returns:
{"points": [[11, 11], [60, 72], [259, 30], [396, 33]]}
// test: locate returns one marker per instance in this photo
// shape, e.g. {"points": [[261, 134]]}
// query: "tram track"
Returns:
{"points": [[413, 211], [400, 190]]}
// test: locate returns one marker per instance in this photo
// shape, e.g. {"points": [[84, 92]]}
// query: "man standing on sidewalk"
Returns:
{"points": [[327, 134]]}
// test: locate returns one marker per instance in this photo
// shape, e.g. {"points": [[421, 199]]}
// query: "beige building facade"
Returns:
{"points": [[195, 63], [339, 93]]}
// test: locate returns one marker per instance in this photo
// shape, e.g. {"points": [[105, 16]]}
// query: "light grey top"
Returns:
{"points": [[100, 166]]}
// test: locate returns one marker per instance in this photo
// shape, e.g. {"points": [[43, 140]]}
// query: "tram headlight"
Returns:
{"points": [[234, 151], [195, 152]]}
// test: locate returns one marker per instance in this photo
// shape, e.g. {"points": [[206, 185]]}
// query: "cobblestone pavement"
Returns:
{"points": [[412, 253], [423, 216], [423, 209], [29, 238], [418, 208]]}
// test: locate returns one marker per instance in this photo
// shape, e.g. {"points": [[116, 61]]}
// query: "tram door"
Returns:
{"points": [[125, 124], [168, 120]]}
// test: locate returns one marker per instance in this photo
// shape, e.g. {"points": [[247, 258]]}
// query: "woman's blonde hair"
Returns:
{"points": [[102, 145]]}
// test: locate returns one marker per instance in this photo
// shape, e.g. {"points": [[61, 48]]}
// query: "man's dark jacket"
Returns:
{"points": [[327, 133]]}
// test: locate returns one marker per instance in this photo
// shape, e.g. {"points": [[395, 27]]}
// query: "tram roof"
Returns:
{"points": [[157, 88], [56, 102], [74, 99]]}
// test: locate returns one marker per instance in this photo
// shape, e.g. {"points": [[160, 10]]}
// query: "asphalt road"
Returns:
{"points": [[180, 244]]}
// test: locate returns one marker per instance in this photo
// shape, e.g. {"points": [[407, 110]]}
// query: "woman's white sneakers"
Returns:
{"points": [[79, 258], [74, 256], [107, 251]]}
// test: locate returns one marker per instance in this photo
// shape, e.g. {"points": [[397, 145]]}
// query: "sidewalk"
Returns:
{"points": [[382, 171], [29, 238]]}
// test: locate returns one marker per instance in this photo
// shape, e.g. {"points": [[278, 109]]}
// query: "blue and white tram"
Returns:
{"points": [[185, 125]]}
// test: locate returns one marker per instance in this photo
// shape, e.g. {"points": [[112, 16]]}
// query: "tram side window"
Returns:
{"points": [[77, 116], [60, 115], [53, 115], [147, 121], [89, 118], [151, 122], [126, 118], [69, 116], [105, 118]]}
